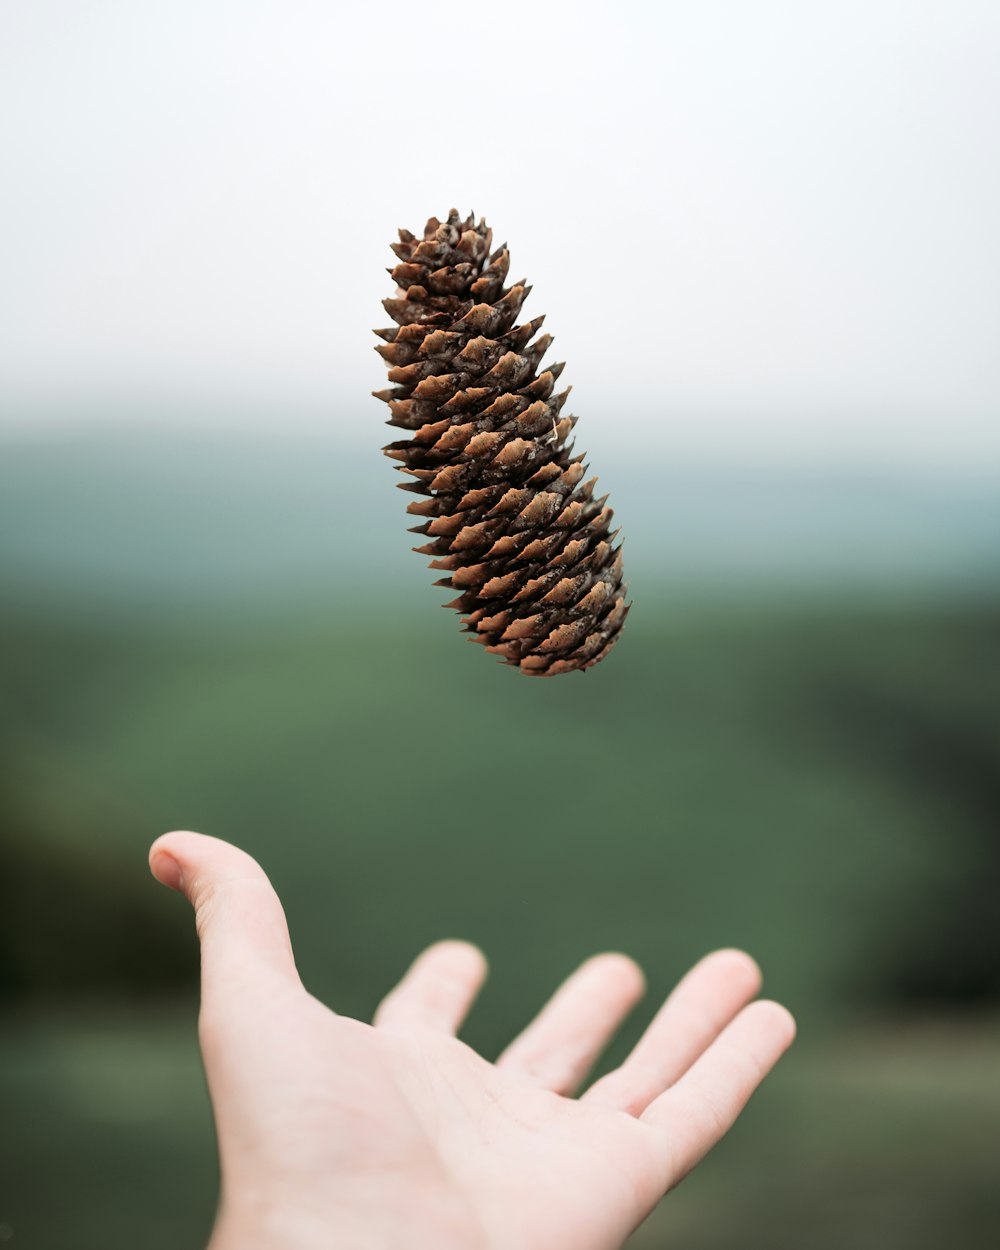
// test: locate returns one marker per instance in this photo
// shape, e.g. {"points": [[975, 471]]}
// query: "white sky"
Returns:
{"points": [[760, 228]]}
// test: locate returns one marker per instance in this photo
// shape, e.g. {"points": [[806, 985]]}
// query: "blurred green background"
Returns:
{"points": [[794, 749]]}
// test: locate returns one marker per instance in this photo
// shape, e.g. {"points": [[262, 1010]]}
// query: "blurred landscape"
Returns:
{"points": [[795, 748], [765, 239]]}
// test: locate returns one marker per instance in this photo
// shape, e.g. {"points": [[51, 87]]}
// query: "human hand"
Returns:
{"points": [[335, 1133]]}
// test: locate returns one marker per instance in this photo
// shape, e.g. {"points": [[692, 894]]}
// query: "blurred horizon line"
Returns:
{"points": [[157, 517], [304, 423]]}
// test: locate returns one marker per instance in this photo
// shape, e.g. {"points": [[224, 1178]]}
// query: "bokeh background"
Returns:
{"points": [[765, 236]]}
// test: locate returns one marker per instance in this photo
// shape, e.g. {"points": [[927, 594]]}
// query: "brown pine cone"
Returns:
{"points": [[509, 517]]}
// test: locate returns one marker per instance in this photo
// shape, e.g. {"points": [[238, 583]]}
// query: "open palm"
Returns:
{"points": [[335, 1132]]}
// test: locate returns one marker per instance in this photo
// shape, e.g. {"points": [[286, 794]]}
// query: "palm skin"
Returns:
{"points": [[337, 1133]]}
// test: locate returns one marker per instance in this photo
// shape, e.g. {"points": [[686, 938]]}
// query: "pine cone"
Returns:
{"points": [[509, 517]]}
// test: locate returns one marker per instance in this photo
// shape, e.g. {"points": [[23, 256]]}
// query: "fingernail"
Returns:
{"points": [[167, 870]]}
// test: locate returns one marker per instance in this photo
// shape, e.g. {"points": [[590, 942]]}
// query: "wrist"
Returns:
{"points": [[376, 1221]]}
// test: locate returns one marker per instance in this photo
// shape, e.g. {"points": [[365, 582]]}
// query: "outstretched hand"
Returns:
{"points": [[396, 1134]]}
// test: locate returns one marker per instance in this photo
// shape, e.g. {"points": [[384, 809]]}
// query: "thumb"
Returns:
{"points": [[239, 918]]}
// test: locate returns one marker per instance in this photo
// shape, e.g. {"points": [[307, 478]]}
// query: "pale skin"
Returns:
{"points": [[338, 1134]]}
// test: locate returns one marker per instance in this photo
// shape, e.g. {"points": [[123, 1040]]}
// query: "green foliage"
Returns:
{"points": [[784, 780]]}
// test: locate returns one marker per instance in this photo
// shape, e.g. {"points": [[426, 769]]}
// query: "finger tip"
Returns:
{"points": [[624, 969], [165, 868], [739, 966], [168, 855], [780, 1021], [461, 955], [173, 842]]}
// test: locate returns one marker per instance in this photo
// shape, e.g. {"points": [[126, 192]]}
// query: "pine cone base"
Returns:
{"points": [[505, 509]]}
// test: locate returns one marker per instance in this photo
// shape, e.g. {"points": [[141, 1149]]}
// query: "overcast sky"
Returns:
{"points": [[769, 229]]}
